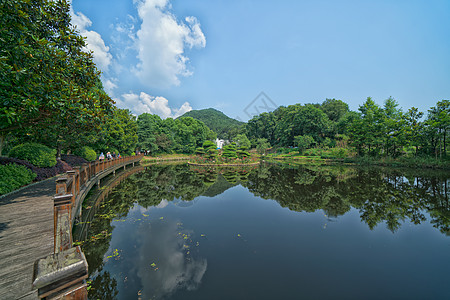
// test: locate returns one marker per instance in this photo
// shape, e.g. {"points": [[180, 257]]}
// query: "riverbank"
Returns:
{"points": [[165, 157], [408, 162]]}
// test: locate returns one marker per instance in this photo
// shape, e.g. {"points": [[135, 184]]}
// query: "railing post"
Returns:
{"points": [[62, 214], [84, 176], [77, 180], [72, 176], [61, 186]]}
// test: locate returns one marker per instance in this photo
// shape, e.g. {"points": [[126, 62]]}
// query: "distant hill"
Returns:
{"points": [[224, 126]]}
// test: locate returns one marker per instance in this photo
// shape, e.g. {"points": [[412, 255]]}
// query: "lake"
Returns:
{"points": [[269, 232]]}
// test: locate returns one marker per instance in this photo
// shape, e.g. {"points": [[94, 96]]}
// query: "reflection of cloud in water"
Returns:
{"points": [[162, 204], [162, 245]]}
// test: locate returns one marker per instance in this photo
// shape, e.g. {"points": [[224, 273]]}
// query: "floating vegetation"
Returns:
{"points": [[100, 235], [154, 267], [115, 255]]}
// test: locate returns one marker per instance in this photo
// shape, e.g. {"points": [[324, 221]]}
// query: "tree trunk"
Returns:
{"points": [[445, 148], [2, 142], [58, 151]]}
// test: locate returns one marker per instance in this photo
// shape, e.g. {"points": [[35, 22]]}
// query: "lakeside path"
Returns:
{"points": [[26, 234]]}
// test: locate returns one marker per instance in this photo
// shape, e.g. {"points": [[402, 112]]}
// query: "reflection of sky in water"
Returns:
{"points": [[156, 259], [236, 245]]}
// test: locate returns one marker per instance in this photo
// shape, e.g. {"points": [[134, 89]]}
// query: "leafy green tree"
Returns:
{"points": [[413, 127], [262, 126], [182, 135], [302, 120], [334, 109], [262, 145], [243, 141], [119, 132], [438, 124], [394, 128], [303, 142], [47, 81], [148, 125], [365, 132]]}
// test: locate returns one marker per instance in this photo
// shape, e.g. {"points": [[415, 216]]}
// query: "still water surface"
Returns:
{"points": [[270, 232]]}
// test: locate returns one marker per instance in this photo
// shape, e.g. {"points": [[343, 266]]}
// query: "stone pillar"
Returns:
{"points": [[61, 275]]}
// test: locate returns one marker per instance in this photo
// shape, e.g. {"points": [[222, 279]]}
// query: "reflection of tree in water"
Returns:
{"points": [[103, 286], [381, 195]]}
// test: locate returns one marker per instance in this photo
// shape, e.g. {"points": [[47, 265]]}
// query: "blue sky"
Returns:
{"points": [[167, 57]]}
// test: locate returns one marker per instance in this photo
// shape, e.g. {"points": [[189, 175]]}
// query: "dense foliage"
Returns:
{"points": [[87, 153], [182, 135], [13, 176], [225, 127], [50, 88], [118, 134], [37, 154], [373, 130]]}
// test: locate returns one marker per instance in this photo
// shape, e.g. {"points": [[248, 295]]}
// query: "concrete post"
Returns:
{"points": [[61, 275]]}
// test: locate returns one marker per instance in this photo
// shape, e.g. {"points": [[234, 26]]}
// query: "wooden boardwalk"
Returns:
{"points": [[26, 234]]}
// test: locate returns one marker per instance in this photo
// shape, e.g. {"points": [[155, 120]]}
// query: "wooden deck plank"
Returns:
{"points": [[26, 234]]}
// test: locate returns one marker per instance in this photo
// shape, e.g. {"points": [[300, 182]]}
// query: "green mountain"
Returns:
{"points": [[217, 121]]}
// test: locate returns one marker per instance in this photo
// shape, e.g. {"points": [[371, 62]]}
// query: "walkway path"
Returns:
{"points": [[26, 234]]}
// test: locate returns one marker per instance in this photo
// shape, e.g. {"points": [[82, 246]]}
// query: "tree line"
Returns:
{"points": [[373, 130]]}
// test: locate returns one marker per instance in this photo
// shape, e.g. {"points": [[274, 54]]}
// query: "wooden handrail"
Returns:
{"points": [[70, 189]]}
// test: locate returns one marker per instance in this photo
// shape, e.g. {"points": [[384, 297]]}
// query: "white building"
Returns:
{"points": [[219, 143]]}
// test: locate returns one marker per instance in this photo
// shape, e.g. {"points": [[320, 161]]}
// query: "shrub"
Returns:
{"points": [[200, 151], [209, 145], [13, 176], [229, 151], [37, 154], [313, 152], [87, 153]]}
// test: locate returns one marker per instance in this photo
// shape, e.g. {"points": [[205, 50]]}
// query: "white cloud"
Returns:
{"points": [[144, 103], [161, 42], [109, 85], [94, 41]]}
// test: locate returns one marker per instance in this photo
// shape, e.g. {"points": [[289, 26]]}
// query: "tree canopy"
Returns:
{"points": [[47, 80], [181, 135]]}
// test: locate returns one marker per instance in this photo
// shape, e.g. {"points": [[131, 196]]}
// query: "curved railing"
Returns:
{"points": [[63, 273]]}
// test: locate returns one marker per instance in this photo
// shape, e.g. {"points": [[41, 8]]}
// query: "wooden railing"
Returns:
{"points": [[62, 275]]}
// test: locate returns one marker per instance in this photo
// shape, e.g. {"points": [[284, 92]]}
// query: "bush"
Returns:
{"points": [[37, 154], [87, 153], [313, 152], [13, 176]]}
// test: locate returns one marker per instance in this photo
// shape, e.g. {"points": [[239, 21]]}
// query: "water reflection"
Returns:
{"points": [[381, 195], [161, 257]]}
